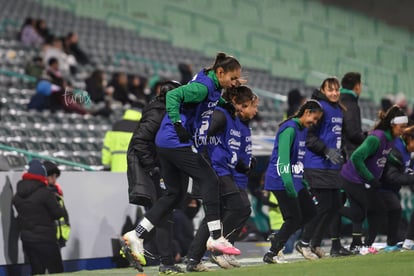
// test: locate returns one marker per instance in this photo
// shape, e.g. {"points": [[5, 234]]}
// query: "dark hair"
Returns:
{"points": [[165, 87], [331, 81], [52, 60], [240, 94], [351, 79], [408, 134], [311, 105], [228, 63], [385, 118]]}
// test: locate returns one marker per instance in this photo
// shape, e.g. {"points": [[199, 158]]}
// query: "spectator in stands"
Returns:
{"points": [[37, 210], [186, 71], [42, 99], [284, 176], [386, 103], [43, 30], [100, 95], [136, 87], [116, 141], [295, 100], [53, 71], [35, 67], [71, 47], [397, 173], [361, 173], [28, 34], [119, 85], [352, 134], [67, 63], [62, 224]]}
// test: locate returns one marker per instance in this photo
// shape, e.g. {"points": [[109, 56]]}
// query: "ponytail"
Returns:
{"points": [[228, 63]]}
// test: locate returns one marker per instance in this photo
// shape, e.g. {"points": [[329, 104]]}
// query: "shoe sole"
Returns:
{"points": [[126, 253]]}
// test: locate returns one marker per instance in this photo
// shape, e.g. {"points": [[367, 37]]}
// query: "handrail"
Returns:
{"points": [[254, 36], [31, 155], [18, 75], [6, 22], [138, 24], [194, 17]]}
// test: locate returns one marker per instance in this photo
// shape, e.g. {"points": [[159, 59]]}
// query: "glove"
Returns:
{"points": [[241, 167], [290, 191], [334, 155], [182, 133], [155, 174], [253, 163], [374, 184]]}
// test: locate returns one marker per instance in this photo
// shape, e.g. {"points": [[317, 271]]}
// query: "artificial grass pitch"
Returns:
{"points": [[395, 263]]}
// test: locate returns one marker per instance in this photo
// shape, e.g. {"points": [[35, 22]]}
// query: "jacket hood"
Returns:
{"points": [[29, 184]]}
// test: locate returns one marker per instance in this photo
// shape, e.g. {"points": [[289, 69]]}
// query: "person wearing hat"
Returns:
{"points": [[37, 210], [63, 225]]}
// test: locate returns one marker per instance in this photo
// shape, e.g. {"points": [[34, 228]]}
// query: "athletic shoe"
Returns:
{"points": [[231, 259], [318, 251], [197, 267], [170, 270], [222, 245], [408, 244], [221, 261], [365, 250], [271, 258], [135, 245], [355, 248], [305, 251], [392, 248], [341, 252]]}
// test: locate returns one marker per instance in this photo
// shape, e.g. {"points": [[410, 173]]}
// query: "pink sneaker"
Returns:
{"points": [[222, 245]]}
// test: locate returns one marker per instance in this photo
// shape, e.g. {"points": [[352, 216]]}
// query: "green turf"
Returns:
{"points": [[399, 263]]}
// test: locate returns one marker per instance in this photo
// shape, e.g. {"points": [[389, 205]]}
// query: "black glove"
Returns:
{"points": [[334, 155], [155, 174], [373, 184], [253, 163], [241, 167], [182, 133]]}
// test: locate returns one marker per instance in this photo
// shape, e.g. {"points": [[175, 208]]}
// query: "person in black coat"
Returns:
{"points": [[352, 134], [38, 209], [144, 174]]}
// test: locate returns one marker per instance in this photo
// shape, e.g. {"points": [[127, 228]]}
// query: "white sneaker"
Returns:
{"points": [[231, 259], [222, 245], [221, 261], [408, 244], [280, 258], [136, 245]]}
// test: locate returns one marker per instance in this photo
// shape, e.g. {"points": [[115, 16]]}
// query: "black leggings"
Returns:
{"points": [[329, 203], [359, 198], [174, 162], [386, 203], [235, 212], [296, 213]]}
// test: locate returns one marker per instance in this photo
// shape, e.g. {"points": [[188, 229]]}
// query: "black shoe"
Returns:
{"points": [[355, 248], [170, 270], [269, 258], [341, 252]]}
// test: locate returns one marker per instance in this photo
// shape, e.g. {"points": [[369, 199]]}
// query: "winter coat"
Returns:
{"points": [[37, 209]]}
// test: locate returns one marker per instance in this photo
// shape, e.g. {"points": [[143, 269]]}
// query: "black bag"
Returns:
{"points": [[141, 190]]}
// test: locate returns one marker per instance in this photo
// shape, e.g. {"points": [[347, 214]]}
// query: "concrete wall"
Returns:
{"points": [[98, 207]]}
